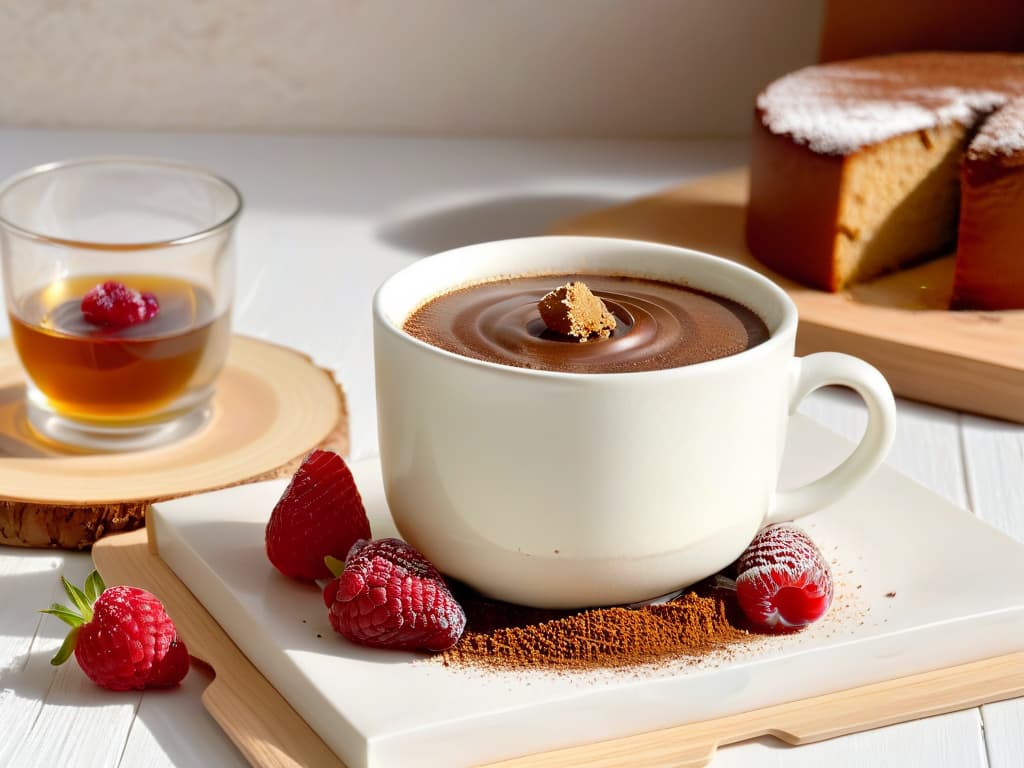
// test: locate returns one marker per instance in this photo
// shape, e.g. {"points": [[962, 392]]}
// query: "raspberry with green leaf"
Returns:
{"points": [[121, 636]]}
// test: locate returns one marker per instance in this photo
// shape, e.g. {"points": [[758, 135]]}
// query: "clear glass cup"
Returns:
{"points": [[154, 226]]}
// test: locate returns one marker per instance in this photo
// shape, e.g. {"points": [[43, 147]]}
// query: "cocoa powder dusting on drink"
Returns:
{"points": [[512, 637]]}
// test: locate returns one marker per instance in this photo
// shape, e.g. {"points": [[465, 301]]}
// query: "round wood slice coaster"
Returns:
{"points": [[271, 407]]}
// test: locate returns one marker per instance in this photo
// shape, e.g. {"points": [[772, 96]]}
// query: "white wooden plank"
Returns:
{"points": [[994, 460], [1004, 733], [21, 700], [27, 676], [949, 740], [30, 581], [78, 724], [172, 729], [28, 578], [56, 716]]}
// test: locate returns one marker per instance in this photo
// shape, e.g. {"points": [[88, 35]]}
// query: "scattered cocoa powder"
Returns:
{"points": [[502, 636]]}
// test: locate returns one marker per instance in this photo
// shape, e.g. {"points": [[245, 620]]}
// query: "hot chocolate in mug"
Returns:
{"points": [[557, 489]]}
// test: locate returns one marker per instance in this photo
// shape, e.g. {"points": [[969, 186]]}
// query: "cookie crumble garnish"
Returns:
{"points": [[573, 310]]}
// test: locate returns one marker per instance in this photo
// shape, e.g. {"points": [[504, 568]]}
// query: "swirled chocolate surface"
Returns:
{"points": [[658, 325]]}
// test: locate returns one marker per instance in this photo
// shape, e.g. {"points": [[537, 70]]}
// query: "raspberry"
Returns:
{"points": [[171, 668], [122, 637], [783, 582], [320, 513], [388, 595], [115, 305]]}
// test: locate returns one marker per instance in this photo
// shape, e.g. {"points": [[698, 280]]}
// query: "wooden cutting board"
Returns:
{"points": [[969, 361], [272, 735]]}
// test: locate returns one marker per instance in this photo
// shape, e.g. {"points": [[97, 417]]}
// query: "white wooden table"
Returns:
{"points": [[326, 220]]}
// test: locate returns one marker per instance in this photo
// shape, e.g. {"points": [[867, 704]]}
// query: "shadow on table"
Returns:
{"points": [[480, 220], [173, 721], [170, 721]]}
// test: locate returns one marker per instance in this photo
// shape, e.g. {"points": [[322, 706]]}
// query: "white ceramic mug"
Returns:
{"points": [[566, 489]]}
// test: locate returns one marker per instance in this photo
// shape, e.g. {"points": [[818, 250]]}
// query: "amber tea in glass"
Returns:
{"points": [[153, 226], [119, 374]]}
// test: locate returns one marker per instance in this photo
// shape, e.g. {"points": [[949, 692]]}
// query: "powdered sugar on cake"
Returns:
{"points": [[841, 108], [1002, 134], [838, 129]]}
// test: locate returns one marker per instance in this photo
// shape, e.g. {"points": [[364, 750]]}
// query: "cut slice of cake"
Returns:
{"points": [[990, 246], [855, 167]]}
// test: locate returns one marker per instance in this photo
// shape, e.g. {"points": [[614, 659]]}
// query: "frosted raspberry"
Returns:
{"points": [[783, 581], [121, 637], [391, 596], [115, 305]]}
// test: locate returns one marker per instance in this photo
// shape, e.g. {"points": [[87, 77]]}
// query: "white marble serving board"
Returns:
{"points": [[921, 585]]}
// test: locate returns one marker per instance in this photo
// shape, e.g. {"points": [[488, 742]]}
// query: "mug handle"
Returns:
{"points": [[819, 370]]}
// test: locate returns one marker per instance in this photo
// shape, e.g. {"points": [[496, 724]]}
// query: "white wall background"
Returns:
{"points": [[602, 68]]}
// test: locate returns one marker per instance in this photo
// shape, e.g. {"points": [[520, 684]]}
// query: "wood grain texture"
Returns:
{"points": [[25, 524], [272, 405], [945, 740], [802, 722], [971, 361], [271, 734]]}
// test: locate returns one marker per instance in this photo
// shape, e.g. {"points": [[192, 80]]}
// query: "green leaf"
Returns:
{"points": [[65, 614], [94, 586], [334, 565], [66, 648], [78, 598]]}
